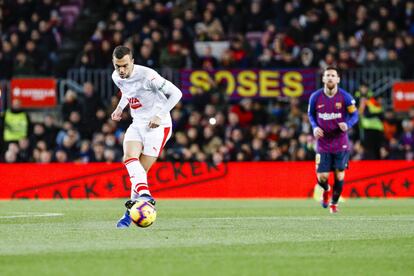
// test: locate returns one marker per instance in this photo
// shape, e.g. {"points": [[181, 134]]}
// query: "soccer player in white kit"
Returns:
{"points": [[145, 91]]}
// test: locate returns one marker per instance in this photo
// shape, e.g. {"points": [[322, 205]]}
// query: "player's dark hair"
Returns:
{"points": [[121, 51], [331, 68]]}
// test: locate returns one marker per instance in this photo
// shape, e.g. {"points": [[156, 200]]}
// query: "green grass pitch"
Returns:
{"points": [[208, 237]]}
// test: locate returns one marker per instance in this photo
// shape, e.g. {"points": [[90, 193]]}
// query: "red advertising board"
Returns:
{"points": [[34, 92], [403, 95], [382, 179]]}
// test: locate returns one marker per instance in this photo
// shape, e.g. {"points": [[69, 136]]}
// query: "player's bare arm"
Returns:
{"points": [[117, 114]]}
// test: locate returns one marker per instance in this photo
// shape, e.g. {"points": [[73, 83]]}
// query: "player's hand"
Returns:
{"points": [[318, 132], [343, 126], [154, 122], [117, 114]]}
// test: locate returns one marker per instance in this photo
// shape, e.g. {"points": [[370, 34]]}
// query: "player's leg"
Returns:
{"points": [[132, 147], [143, 189], [137, 173], [337, 190], [338, 186], [323, 167], [341, 163], [147, 161], [154, 141]]}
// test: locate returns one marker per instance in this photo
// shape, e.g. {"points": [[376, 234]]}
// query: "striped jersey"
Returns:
{"points": [[327, 112]]}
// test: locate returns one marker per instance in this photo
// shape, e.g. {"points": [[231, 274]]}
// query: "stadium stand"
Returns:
{"points": [[51, 37]]}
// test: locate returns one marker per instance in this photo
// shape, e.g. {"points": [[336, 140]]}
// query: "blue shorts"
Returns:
{"points": [[327, 162]]}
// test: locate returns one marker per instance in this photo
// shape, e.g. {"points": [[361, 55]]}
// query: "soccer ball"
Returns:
{"points": [[143, 213]]}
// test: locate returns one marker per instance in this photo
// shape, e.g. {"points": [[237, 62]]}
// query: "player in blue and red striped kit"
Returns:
{"points": [[332, 112]]}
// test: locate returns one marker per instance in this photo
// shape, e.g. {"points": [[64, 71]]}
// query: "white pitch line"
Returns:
{"points": [[337, 218], [33, 215]]}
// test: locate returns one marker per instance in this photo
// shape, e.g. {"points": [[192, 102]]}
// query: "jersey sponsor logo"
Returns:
{"points": [[329, 116], [338, 105], [134, 103]]}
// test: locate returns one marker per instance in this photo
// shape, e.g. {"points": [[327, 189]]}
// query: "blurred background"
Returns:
{"points": [[246, 69]]}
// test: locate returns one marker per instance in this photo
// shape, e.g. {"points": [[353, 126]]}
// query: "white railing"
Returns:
{"points": [[102, 79], [380, 80]]}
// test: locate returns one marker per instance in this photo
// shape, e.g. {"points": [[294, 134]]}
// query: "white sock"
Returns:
{"points": [[138, 177]]}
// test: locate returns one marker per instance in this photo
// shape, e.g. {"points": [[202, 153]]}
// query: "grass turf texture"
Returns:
{"points": [[209, 237]]}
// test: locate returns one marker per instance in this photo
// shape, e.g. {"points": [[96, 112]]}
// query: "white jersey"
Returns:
{"points": [[145, 91]]}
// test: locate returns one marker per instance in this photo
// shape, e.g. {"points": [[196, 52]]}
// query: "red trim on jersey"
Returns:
{"points": [[166, 132], [126, 162]]}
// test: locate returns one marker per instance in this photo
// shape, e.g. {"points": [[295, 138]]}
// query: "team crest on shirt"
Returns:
{"points": [[338, 105], [134, 103]]}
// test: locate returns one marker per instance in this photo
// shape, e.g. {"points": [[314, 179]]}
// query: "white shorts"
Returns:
{"points": [[152, 139]]}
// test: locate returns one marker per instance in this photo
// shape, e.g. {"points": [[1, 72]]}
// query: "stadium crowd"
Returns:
{"points": [[207, 129], [278, 34], [31, 33]]}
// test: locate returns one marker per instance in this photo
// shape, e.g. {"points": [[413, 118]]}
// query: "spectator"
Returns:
{"points": [[146, 57], [38, 133], [407, 139], [51, 130], [85, 152], [371, 126], [25, 152], [363, 93], [173, 56], [391, 125], [90, 105], [104, 55], [70, 104], [98, 152], [23, 65], [207, 61], [210, 28], [244, 112], [15, 124]]}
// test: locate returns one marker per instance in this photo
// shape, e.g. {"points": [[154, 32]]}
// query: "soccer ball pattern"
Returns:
{"points": [[143, 213]]}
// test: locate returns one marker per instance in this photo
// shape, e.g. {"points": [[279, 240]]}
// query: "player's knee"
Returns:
{"points": [[146, 168], [128, 156], [340, 175], [323, 178]]}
